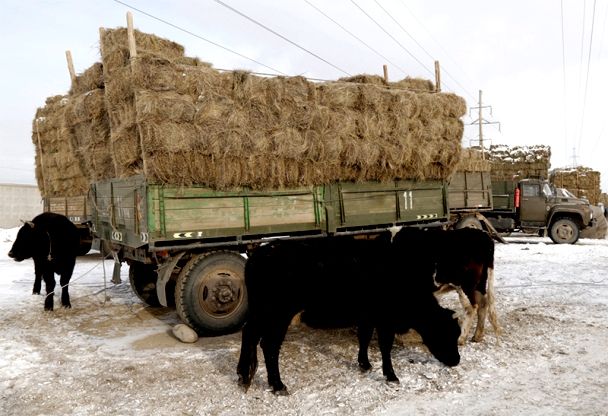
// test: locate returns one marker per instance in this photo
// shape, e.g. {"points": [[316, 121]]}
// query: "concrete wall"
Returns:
{"points": [[18, 202]]}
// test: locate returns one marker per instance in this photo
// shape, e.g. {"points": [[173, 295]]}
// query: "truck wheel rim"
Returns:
{"points": [[564, 232], [220, 293]]}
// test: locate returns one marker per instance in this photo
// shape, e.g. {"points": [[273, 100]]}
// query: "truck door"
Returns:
{"points": [[533, 204]]}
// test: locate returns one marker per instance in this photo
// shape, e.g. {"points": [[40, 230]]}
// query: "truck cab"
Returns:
{"points": [[534, 206]]}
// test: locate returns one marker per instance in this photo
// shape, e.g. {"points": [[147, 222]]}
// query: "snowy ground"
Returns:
{"points": [[111, 355]]}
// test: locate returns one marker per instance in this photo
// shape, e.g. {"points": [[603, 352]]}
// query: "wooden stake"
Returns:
{"points": [[437, 77], [133, 54], [385, 68], [68, 56], [131, 35], [41, 161]]}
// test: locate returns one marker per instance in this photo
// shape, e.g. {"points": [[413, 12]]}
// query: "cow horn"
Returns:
{"points": [[30, 223]]}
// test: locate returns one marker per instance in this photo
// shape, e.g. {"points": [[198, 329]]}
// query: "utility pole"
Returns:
{"points": [[481, 121]]}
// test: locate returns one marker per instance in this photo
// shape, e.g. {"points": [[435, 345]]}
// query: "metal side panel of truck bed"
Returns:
{"points": [[134, 213]]}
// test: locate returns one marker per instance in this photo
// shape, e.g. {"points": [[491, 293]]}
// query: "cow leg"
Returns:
{"points": [[272, 339], [469, 314], [38, 270], [64, 281], [482, 310], [364, 333], [248, 360], [49, 282], [385, 339], [492, 302]]}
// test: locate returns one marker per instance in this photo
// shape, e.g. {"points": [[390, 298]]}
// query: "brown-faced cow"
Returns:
{"points": [[52, 241], [464, 261], [364, 281]]}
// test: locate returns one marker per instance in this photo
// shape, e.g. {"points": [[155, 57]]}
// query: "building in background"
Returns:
{"points": [[18, 202]]}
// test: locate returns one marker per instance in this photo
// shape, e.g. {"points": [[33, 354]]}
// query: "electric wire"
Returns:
{"points": [[599, 57], [445, 71], [447, 54], [393, 38], [356, 37], [587, 79], [564, 80], [280, 36], [198, 36]]}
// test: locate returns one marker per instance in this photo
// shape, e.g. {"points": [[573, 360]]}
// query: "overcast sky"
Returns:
{"points": [[545, 85]]}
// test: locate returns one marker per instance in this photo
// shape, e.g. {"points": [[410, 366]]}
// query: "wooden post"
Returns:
{"points": [[133, 54], [42, 176], [131, 35], [68, 56], [437, 77], [385, 68]]}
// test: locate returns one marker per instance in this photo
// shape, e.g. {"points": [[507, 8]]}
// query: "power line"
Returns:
{"points": [[279, 35], [435, 40], [420, 46], [198, 36], [564, 76], [587, 77], [356, 37], [392, 37]]}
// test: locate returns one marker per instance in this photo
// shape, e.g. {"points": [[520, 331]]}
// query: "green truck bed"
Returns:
{"points": [[135, 213], [470, 190]]}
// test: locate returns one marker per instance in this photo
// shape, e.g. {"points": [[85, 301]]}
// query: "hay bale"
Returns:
{"points": [[58, 171], [581, 181], [188, 123], [519, 162], [90, 79], [87, 127], [472, 160]]}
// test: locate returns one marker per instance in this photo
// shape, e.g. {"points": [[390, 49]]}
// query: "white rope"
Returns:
{"points": [[83, 275]]}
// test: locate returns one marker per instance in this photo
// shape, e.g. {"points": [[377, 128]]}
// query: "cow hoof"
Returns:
{"points": [[67, 306], [50, 309], [281, 392], [364, 367], [477, 338], [36, 292], [244, 384], [392, 379]]}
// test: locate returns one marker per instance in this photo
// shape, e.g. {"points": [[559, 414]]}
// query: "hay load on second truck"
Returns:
{"points": [[508, 186], [198, 167]]}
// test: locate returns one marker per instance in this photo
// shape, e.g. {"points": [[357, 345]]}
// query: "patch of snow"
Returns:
{"points": [[110, 354]]}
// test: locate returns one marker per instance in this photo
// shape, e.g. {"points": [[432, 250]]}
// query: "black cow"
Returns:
{"points": [[52, 240], [364, 281], [464, 261]]}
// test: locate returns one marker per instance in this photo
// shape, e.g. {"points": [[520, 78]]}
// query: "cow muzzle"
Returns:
{"points": [[14, 257]]}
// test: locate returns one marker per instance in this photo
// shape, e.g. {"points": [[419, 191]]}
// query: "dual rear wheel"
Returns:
{"points": [[209, 291]]}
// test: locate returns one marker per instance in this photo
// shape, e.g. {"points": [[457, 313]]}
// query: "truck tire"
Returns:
{"points": [[468, 222], [210, 293], [143, 282], [564, 231]]}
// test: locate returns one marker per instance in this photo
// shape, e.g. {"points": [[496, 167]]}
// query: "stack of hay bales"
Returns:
{"points": [[519, 162], [58, 171], [178, 121], [87, 124], [581, 181], [472, 160]]}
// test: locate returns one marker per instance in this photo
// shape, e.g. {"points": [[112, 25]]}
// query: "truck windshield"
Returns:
{"points": [[547, 190], [563, 192]]}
